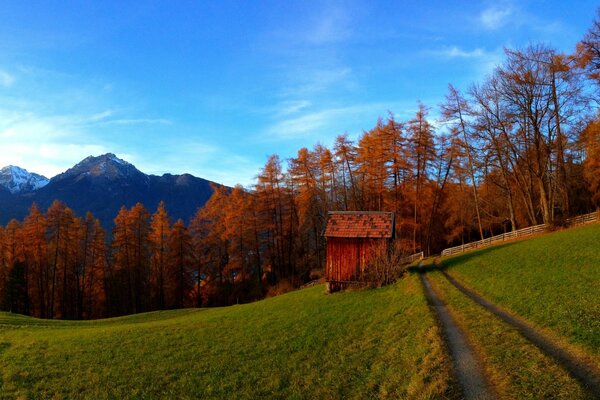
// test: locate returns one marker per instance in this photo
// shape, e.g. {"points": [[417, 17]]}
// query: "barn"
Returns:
{"points": [[352, 238]]}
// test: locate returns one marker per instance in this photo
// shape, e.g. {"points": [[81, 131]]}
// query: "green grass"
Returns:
{"points": [[379, 343], [517, 368], [552, 281]]}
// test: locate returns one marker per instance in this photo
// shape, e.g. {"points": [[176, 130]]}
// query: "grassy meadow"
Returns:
{"points": [[379, 343], [552, 281]]}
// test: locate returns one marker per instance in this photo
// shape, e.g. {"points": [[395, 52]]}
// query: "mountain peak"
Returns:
{"points": [[107, 166], [103, 184], [108, 157], [19, 180]]}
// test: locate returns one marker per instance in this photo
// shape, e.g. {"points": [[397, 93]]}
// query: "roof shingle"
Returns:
{"points": [[360, 224]]}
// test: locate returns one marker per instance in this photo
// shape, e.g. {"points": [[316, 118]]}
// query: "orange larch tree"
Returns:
{"points": [[159, 234]]}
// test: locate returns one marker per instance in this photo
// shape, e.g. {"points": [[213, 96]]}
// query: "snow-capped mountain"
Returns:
{"points": [[102, 185], [19, 180]]}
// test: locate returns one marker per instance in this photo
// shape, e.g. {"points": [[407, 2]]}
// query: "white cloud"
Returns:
{"points": [[101, 116], [200, 159], [332, 25], [331, 121], [457, 52], [495, 17], [292, 107], [315, 81], [47, 145], [6, 79], [481, 61], [137, 121], [48, 159], [305, 124]]}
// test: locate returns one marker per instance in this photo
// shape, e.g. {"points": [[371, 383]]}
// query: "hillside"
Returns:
{"points": [[553, 280], [529, 311], [379, 343]]}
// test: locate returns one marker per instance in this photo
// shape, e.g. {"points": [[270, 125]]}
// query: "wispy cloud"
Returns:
{"points": [[479, 60], [330, 122], [6, 79], [291, 107], [201, 159], [139, 121], [45, 144], [495, 17], [330, 25], [101, 116], [311, 81], [457, 52], [510, 14]]}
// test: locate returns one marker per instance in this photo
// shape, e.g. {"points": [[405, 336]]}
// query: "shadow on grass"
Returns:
{"points": [[476, 253], [439, 265]]}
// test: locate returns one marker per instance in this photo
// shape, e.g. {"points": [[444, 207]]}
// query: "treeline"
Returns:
{"points": [[520, 148], [58, 265]]}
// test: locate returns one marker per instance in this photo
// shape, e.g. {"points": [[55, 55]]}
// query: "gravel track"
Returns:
{"points": [[467, 367], [588, 375]]}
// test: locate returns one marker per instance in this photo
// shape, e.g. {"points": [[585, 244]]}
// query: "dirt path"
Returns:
{"points": [[468, 370], [588, 375]]}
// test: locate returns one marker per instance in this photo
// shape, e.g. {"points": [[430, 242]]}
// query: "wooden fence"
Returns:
{"points": [[410, 259], [529, 231], [583, 219]]}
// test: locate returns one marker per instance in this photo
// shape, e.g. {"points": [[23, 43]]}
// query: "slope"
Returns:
{"points": [[380, 343], [553, 281]]}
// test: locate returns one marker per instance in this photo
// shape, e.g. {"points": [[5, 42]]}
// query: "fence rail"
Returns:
{"points": [[582, 219], [410, 259], [529, 231]]}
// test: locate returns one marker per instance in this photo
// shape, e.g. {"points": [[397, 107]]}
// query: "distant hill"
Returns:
{"points": [[102, 185]]}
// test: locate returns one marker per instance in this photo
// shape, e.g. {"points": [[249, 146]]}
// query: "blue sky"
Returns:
{"points": [[214, 87]]}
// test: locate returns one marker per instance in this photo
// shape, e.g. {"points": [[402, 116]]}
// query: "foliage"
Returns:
{"points": [[385, 266]]}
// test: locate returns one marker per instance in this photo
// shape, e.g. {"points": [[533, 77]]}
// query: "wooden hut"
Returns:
{"points": [[352, 238]]}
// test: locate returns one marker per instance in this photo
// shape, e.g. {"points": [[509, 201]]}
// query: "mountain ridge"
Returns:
{"points": [[103, 184]]}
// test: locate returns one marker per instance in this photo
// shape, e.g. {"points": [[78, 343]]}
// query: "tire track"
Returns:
{"points": [[586, 374], [467, 367]]}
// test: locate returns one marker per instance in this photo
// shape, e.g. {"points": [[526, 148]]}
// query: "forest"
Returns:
{"points": [[520, 148]]}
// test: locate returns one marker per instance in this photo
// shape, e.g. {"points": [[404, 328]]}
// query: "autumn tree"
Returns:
{"points": [[131, 260], [457, 111], [345, 156], [310, 203], [36, 256], [3, 263], [591, 140], [275, 217], [422, 150], [588, 50], [159, 234], [91, 273], [206, 229], [180, 264]]}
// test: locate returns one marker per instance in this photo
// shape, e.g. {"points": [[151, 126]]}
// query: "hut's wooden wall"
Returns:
{"points": [[347, 257]]}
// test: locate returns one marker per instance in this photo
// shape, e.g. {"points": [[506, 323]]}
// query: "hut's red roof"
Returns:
{"points": [[360, 224]]}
